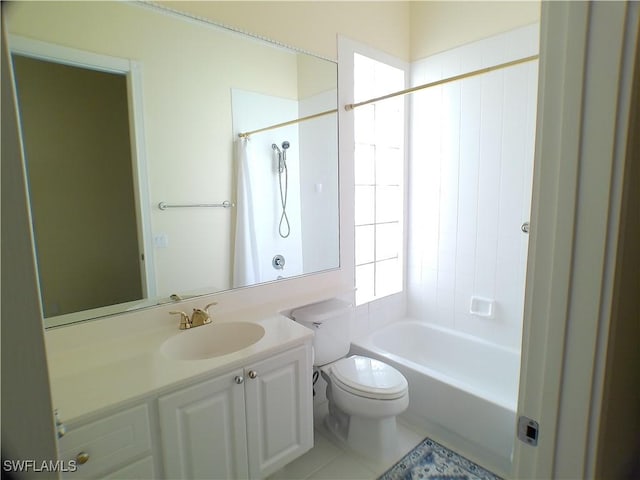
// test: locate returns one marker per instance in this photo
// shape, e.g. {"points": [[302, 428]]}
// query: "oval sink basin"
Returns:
{"points": [[213, 340]]}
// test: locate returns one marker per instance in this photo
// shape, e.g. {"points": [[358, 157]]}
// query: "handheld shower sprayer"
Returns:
{"points": [[283, 228], [282, 158]]}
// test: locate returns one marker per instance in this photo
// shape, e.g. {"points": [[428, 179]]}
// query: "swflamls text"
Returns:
{"points": [[39, 466]]}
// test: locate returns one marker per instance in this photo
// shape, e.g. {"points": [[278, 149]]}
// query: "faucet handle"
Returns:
{"points": [[206, 309], [200, 317], [184, 320]]}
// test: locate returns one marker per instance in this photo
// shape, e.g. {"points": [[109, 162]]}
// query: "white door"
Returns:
{"points": [[204, 431], [279, 410]]}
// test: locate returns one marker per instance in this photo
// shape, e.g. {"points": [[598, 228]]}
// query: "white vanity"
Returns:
{"points": [[133, 410]]}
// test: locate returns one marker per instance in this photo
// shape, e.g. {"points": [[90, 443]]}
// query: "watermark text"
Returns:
{"points": [[39, 466]]}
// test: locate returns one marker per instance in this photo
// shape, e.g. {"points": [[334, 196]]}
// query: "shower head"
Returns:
{"points": [[275, 147], [285, 145]]}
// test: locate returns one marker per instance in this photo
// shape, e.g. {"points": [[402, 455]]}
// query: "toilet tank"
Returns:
{"points": [[331, 323]]}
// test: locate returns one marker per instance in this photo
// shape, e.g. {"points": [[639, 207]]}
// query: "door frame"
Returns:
{"points": [[133, 72], [586, 67]]}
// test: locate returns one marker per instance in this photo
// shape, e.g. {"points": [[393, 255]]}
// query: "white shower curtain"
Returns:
{"points": [[245, 262]]}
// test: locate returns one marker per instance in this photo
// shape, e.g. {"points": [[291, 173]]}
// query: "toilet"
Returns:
{"points": [[365, 395]]}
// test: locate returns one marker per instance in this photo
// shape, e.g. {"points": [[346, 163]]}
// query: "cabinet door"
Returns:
{"points": [[279, 410], [204, 430]]}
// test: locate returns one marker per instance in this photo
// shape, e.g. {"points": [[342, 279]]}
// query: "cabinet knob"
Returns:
{"points": [[238, 379], [253, 374], [82, 458]]}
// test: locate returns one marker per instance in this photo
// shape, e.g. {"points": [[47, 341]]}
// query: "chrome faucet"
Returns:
{"points": [[199, 317]]}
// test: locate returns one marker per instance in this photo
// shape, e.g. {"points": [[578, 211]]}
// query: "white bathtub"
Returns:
{"points": [[462, 390]]}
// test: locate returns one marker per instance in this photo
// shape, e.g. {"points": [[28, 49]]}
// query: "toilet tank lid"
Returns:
{"points": [[321, 311]]}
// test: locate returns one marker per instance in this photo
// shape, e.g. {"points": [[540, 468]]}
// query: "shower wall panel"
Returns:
{"points": [[470, 176]]}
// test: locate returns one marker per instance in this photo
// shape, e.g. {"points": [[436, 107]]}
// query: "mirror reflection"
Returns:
{"points": [[127, 108]]}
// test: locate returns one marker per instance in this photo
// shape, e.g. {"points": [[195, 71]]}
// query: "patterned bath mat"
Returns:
{"points": [[432, 461]]}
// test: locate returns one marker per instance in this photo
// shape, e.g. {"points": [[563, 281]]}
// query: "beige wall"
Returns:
{"points": [[439, 26], [408, 30], [315, 77], [314, 26]]}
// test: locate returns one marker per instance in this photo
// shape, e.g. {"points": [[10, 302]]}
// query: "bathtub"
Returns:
{"points": [[462, 390]]}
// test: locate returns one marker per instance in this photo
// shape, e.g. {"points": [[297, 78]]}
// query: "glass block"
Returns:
{"points": [[364, 204], [388, 240], [388, 79], [389, 123], [364, 243], [365, 283], [389, 166], [388, 204], [388, 277], [364, 124], [365, 164], [363, 73]]}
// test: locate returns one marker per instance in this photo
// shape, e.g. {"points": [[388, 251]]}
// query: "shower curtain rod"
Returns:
{"points": [[290, 122], [351, 106]]}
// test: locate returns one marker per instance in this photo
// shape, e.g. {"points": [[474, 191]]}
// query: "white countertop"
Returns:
{"points": [[97, 365]]}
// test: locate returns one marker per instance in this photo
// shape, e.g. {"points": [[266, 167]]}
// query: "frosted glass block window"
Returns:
{"points": [[379, 178]]}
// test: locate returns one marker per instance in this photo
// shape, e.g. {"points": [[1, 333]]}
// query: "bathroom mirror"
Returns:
{"points": [[194, 209]]}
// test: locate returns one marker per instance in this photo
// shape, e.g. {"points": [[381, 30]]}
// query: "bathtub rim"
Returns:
{"points": [[366, 343]]}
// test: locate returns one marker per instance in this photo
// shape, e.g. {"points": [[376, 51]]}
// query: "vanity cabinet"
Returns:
{"points": [[116, 446], [247, 423], [204, 431]]}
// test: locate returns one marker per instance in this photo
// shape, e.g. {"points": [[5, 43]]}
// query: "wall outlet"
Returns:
{"points": [[161, 240]]}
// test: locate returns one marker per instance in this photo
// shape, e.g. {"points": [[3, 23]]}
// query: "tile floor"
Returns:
{"points": [[328, 460]]}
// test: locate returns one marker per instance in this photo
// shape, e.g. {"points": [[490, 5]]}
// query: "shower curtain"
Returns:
{"points": [[245, 261]]}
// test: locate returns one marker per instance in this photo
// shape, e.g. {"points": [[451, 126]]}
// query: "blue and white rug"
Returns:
{"points": [[432, 461]]}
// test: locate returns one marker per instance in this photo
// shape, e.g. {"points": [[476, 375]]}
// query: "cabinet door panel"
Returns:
{"points": [[279, 411], [204, 431]]}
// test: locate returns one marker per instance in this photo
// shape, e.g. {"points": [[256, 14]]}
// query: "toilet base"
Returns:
{"points": [[373, 438]]}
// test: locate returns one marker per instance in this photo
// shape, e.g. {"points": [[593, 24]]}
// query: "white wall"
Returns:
{"points": [[319, 182], [470, 176]]}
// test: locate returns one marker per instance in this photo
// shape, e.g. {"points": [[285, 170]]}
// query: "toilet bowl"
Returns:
{"points": [[364, 395]]}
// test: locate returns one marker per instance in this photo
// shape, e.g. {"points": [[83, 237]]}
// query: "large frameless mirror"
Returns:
{"points": [[142, 189]]}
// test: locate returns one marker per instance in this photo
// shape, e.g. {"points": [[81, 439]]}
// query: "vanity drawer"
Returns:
{"points": [[107, 444]]}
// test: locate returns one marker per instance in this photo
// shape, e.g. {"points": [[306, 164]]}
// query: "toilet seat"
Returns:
{"points": [[368, 378]]}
